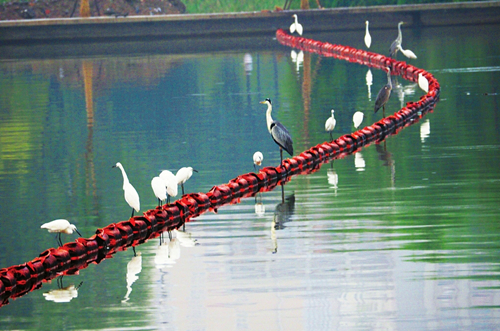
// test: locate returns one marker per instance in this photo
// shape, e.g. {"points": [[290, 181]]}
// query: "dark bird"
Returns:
{"points": [[396, 43], [280, 134], [384, 93]]}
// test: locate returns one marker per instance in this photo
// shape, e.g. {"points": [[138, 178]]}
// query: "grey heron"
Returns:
{"points": [[394, 46], [384, 93], [278, 132]]}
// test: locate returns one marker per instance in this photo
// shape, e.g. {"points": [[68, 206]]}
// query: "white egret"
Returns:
{"points": [[296, 26], [423, 83], [357, 118], [368, 38], [278, 132], [406, 52], [60, 226], [257, 159], [130, 194], [384, 93], [159, 188], [171, 183], [183, 174], [330, 124], [394, 46]]}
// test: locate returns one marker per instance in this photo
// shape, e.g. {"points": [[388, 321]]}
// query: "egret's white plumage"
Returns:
{"points": [[130, 194], [134, 267], [159, 188], [406, 52], [423, 83], [297, 58], [60, 226], [368, 38], [183, 174], [296, 26], [257, 159], [170, 181], [65, 294], [330, 124], [357, 118]]}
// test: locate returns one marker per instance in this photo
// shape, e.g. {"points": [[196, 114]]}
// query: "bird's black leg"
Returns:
{"points": [[133, 248], [281, 156], [182, 186], [331, 136], [132, 213], [159, 202], [184, 227], [59, 241], [170, 235], [74, 8], [383, 110]]}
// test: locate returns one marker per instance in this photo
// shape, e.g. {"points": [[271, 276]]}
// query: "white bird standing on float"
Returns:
{"points": [[183, 174], [423, 83], [296, 26], [257, 159], [330, 124], [60, 226], [368, 38], [130, 194], [160, 189], [171, 183]]}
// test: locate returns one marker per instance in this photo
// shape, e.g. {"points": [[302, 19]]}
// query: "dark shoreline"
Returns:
{"points": [[48, 38]]}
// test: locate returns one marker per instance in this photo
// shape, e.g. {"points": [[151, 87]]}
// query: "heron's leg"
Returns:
{"points": [[132, 213], [74, 8], [281, 156], [184, 227], [383, 110], [170, 235], [133, 248], [182, 186], [331, 136], [59, 241]]}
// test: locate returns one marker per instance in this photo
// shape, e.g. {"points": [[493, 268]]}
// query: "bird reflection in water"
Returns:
{"points": [[359, 162], [333, 178], [425, 130], [62, 293], [260, 208], [386, 157], [283, 213], [134, 267], [167, 254], [369, 83], [402, 91], [297, 58]]}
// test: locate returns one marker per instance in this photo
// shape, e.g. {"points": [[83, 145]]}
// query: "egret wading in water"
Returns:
{"points": [[296, 26], [60, 226], [394, 46], [280, 134], [423, 83], [160, 189], [257, 159], [183, 174], [330, 124], [368, 38], [131, 195], [384, 94]]}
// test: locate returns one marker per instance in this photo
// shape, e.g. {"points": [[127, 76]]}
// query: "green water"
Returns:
{"points": [[404, 235]]}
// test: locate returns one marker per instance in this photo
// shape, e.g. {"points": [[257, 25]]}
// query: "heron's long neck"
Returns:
{"points": [[268, 117], [400, 35], [389, 82], [366, 27], [296, 19], [125, 178]]}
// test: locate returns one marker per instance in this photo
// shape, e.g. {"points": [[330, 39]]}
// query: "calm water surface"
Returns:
{"points": [[403, 235]]}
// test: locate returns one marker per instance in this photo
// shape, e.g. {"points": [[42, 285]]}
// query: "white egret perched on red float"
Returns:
{"points": [[171, 183], [159, 188], [368, 38], [60, 226], [296, 26], [183, 174], [257, 159], [330, 124], [278, 132], [423, 83], [406, 52], [130, 194]]}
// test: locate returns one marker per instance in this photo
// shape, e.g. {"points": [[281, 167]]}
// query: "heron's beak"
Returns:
{"points": [[113, 166], [262, 102], [78, 232], [195, 170]]}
